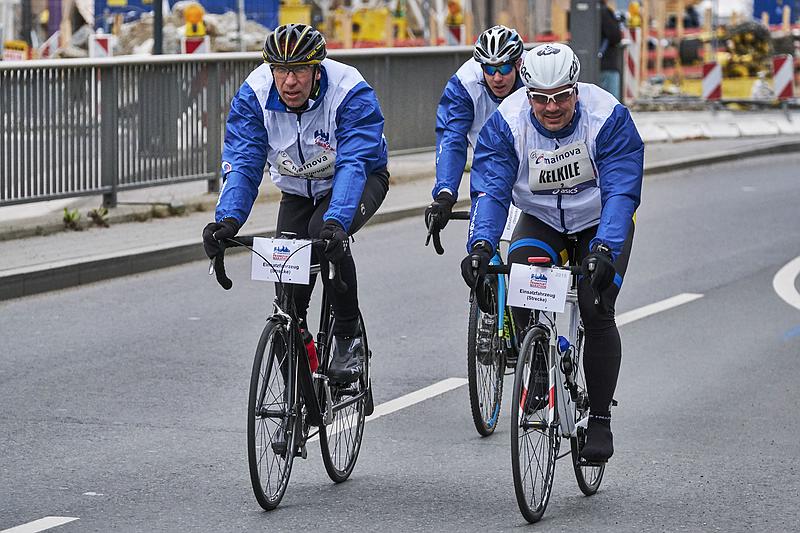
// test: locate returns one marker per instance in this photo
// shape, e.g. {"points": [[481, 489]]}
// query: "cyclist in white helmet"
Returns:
{"points": [[569, 156], [470, 96]]}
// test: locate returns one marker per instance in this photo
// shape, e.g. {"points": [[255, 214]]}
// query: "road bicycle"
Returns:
{"points": [[491, 340], [287, 400], [550, 400]]}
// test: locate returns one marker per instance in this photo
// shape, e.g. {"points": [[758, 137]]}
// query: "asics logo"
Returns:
{"points": [[548, 50]]}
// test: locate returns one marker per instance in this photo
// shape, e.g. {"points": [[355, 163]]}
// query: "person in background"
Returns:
{"points": [[610, 37]]}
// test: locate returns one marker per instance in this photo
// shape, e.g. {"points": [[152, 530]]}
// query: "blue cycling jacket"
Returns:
{"points": [[465, 105], [335, 143], [587, 174]]}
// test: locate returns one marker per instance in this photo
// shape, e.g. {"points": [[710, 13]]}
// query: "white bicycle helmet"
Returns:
{"points": [[549, 66], [498, 45]]}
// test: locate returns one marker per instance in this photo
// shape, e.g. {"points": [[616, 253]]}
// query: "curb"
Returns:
{"points": [[27, 281], [720, 157]]}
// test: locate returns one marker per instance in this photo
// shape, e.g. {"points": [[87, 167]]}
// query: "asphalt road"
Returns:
{"points": [[123, 403]]}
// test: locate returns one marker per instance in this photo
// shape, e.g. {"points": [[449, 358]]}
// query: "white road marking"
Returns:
{"points": [[652, 309], [783, 283], [413, 398], [449, 384], [40, 525]]}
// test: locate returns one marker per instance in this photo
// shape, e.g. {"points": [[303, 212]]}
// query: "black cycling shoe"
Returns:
{"points": [[345, 364], [599, 445]]}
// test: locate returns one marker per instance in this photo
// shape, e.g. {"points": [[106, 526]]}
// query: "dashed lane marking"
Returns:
{"points": [[40, 525], [658, 307]]}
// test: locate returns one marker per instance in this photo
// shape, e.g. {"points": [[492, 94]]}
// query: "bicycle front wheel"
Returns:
{"points": [[485, 368], [271, 420], [588, 476], [534, 441], [341, 440]]}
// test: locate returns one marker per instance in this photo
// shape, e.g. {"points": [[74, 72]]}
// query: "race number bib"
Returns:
{"points": [[567, 170], [287, 260], [536, 287], [320, 167]]}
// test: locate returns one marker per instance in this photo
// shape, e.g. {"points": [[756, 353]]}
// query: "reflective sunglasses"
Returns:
{"points": [[504, 69], [559, 98], [298, 70]]}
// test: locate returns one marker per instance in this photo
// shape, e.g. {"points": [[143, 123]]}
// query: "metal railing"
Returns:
{"points": [[87, 127]]}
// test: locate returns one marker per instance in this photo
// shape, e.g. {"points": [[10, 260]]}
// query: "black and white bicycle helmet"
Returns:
{"points": [[297, 44], [549, 66], [498, 45]]}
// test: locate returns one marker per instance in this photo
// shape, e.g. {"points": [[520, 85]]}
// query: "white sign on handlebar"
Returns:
{"points": [[290, 259], [536, 287]]}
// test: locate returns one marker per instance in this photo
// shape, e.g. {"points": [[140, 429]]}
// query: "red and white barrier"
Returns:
{"points": [[101, 45], [712, 81], [195, 45], [632, 60], [49, 48], [783, 76]]}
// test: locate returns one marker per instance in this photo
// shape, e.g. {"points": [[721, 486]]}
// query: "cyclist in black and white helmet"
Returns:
{"points": [[470, 96]]}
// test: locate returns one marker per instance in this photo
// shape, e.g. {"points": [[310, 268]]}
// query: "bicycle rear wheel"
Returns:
{"points": [[271, 417], [534, 441], [341, 440], [588, 476]]}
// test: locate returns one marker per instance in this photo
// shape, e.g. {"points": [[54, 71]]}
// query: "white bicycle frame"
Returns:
{"points": [[563, 399]]}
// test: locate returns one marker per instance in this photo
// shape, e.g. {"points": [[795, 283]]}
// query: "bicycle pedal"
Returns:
{"points": [[584, 463]]}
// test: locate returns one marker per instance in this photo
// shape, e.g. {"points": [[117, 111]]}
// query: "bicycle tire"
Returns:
{"points": [[341, 440], [485, 382], [539, 441], [588, 477], [269, 414]]}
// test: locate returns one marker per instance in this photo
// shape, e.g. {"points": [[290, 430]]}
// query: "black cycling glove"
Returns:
{"points": [[475, 265], [437, 215], [599, 267], [338, 245], [215, 232]]}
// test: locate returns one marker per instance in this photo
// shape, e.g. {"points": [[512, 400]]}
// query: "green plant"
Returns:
{"points": [[99, 216], [176, 209], [72, 219]]}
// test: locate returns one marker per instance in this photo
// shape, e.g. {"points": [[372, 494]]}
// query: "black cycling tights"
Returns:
{"points": [[303, 216], [602, 347]]}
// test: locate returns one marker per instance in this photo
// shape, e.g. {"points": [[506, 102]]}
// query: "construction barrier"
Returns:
{"points": [[783, 76], [712, 81], [195, 45], [49, 47], [632, 62], [16, 51], [101, 45]]}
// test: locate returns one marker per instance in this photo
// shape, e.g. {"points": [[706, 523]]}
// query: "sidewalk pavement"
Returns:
{"points": [[35, 264]]}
